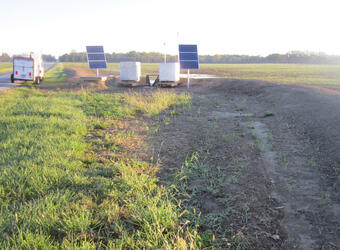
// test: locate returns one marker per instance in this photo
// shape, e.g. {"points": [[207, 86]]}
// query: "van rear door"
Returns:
{"points": [[23, 68]]}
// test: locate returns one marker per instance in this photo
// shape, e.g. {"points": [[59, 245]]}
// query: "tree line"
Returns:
{"points": [[154, 57], [4, 57], [146, 57]]}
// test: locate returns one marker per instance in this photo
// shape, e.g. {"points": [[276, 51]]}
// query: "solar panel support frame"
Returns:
{"points": [[188, 79], [180, 54]]}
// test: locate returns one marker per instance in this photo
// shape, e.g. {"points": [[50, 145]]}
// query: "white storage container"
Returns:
{"points": [[130, 71], [169, 72], [28, 68]]}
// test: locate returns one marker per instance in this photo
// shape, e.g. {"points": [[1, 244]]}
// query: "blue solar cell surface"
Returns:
{"points": [[189, 64], [97, 64], [188, 56], [187, 48], [96, 57], [95, 49]]}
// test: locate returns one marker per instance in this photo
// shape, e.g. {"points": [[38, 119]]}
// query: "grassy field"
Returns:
{"points": [[5, 67], [278, 73], [56, 74], [69, 181]]}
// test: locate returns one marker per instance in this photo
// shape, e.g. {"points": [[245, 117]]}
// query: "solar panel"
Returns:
{"points": [[189, 65], [188, 48], [97, 65], [188, 56], [95, 49], [96, 57]]}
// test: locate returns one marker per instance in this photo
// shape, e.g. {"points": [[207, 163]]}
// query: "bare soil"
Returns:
{"points": [[266, 171], [272, 161]]}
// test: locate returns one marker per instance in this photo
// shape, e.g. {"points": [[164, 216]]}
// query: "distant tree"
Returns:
{"points": [[276, 58], [5, 58], [49, 58], [155, 57], [73, 57]]}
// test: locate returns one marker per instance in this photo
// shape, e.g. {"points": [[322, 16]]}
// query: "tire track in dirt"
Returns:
{"points": [[298, 156], [289, 185], [306, 141]]}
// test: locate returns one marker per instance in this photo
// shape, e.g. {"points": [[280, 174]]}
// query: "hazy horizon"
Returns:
{"points": [[110, 52]]}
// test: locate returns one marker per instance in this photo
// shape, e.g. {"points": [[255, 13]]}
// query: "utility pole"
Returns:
{"points": [[164, 52]]}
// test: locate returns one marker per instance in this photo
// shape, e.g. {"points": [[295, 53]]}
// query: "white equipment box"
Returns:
{"points": [[169, 72], [130, 71]]}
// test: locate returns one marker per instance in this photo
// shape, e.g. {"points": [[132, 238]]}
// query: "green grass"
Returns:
{"points": [[56, 74], [146, 68], [213, 183], [74, 64], [6, 67], [56, 191], [278, 73]]}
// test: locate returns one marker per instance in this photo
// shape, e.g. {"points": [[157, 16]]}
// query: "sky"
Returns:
{"points": [[252, 27]]}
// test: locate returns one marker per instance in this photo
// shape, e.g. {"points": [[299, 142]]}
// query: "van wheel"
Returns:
{"points": [[12, 78], [37, 80]]}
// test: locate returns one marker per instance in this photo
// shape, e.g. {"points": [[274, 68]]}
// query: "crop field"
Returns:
{"points": [[5, 67], [277, 73], [327, 75]]}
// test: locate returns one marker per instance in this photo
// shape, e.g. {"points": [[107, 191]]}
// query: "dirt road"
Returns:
{"points": [[273, 157], [5, 82]]}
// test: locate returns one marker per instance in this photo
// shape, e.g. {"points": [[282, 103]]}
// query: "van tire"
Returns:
{"points": [[12, 78], [37, 80]]}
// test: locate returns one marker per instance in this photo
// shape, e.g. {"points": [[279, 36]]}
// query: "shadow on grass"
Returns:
{"points": [[69, 72]]}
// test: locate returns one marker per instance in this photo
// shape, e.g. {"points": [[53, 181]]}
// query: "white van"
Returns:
{"points": [[28, 68]]}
